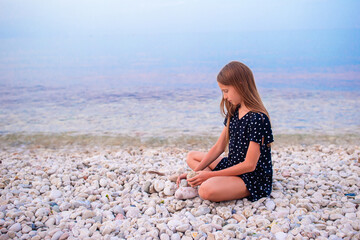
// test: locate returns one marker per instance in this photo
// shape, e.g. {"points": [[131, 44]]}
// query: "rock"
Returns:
{"points": [[159, 185], [146, 187], [111, 175], [50, 222], [64, 236], [118, 209], [150, 211], [186, 193], [231, 227], [286, 173], [64, 206], [164, 236], [103, 182], [218, 220], [26, 229], [191, 174], [88, 214], [173, 178], [169, 189], [57, 235], [11, 234], [280, 236], [336, 216], [270, 205], [202, 211], [355, 201], [133, 212], [173, 224], [206, 228], [44, 189], [16, 227], [55, 194], [183, 227], [224, 212], [175, 236], [239, 217]]}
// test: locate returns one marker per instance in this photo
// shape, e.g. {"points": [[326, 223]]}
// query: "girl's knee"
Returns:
{"points": [[190, 157], [206, 191]]}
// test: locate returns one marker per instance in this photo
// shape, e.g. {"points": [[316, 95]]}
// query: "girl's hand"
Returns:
{"points": [[182, 176], [201, 177]]}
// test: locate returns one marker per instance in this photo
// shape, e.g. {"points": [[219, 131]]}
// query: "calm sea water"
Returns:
{"points": [[165, 85]]}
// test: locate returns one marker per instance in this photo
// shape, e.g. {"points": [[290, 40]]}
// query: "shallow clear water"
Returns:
{"points": [[165, 85]]}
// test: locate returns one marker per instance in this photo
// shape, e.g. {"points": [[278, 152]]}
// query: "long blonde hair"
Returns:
{"points": [[240, 76]]}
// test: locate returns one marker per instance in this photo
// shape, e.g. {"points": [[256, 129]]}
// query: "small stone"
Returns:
{"points": [[173, 224], [164, 236], [224, 212], [280, 236], [103, 182], [239, 217], [356, 201], [64, 236], [336, 216], [133, 212], [44, 189], [146, 187], [286, 173], [183, 227], [88, 214], [191, 174], [55, 194], [119, 216], [231, 227], [270, 205], [159, 185], [111, 175], [15, 227], [206, 228], [11, 234], [26, 229], [57, 235], [50, 222], [118, 209], [173, 178], [175, 236], [107, 229], [201, 211], [150, 211], [41, 212], [64, 206]]}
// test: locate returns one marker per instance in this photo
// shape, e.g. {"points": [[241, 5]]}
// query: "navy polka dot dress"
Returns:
{"points": [[251, 127]]}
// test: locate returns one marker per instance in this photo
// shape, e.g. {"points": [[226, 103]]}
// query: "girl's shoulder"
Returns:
{"points": [[258, 118]]}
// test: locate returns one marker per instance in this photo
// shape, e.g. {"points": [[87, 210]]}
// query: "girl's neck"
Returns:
{"points": [[243, 108]]}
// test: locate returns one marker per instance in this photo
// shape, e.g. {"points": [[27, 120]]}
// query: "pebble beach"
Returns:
{"points": [[122, 192]]}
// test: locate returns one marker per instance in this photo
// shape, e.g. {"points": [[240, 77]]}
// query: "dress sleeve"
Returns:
{"points": [[255, 129], [267, 132], [260, 127], [225, 120]]}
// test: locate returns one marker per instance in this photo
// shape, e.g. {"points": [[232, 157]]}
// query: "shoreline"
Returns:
{"points": [[187, 141]]}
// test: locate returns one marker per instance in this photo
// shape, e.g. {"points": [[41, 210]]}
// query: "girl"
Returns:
{"points": [[247, 171]]}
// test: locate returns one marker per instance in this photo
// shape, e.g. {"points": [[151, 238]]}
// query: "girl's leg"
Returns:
{"points": [[223, 188], [194, 158]]}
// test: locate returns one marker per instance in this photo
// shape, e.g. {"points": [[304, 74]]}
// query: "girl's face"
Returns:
{"points": [[230, 94]]}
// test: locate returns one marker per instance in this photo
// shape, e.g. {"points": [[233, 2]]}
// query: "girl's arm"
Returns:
{"points": [[249, 165], [214, 152]]}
